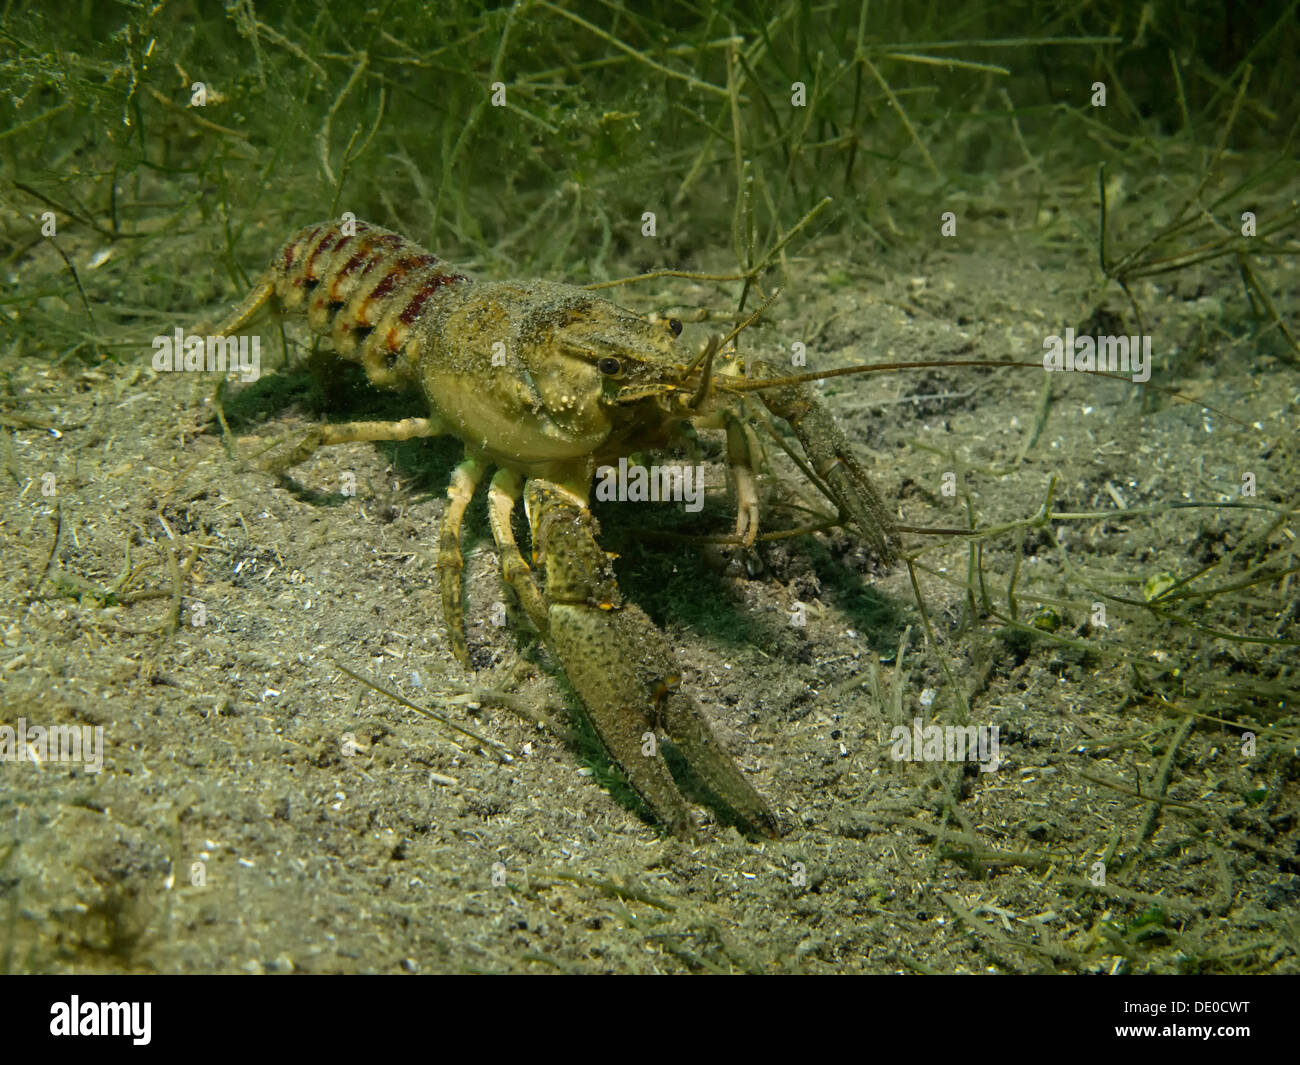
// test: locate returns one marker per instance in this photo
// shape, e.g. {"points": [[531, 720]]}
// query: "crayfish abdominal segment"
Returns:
{"points": [[543, 383]]}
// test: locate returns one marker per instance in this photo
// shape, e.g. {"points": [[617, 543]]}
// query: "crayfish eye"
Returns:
{"points": [[676, 326], [610, 366]]}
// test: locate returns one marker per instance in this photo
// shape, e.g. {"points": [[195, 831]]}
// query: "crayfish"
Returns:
{"points": [[544, 383]]}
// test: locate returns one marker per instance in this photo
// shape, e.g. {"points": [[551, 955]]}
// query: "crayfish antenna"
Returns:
{"points": [[759, 384]]}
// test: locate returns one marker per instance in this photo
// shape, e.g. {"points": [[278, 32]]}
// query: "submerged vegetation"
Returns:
{"points": [[1143, 157]]}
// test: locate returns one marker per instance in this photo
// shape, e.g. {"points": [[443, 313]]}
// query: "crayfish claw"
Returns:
{"points": [[621, 666], [840, 473]]}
